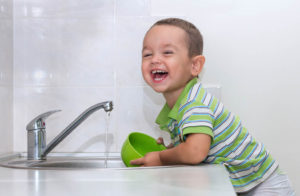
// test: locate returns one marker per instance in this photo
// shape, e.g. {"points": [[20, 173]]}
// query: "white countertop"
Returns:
{"points": [[206, 180]]}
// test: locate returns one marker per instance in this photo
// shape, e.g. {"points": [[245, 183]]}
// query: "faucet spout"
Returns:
{"points": [[107, 106]]}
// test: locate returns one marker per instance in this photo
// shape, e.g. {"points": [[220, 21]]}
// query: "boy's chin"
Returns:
{"points": [[158, 90], [155, 87]]}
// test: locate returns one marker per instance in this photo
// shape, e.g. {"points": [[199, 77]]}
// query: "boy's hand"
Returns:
{"points": [[160, 140], [150, 159]]}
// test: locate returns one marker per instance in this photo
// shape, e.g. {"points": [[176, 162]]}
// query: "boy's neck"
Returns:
{"points": [[171, 97]]}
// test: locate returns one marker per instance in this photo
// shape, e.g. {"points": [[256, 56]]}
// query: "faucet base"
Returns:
{"points": [[36, 144]]}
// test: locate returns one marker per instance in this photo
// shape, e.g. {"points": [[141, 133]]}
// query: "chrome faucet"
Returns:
{"points": [[36, 131]]}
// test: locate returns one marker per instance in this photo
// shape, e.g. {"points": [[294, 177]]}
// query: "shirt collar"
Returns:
{"points": [[167, 113]]}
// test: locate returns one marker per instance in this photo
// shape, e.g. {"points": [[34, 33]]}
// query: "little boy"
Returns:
{"points": [[201, 129]]}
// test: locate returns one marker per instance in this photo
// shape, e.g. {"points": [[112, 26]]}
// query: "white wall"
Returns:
{"points": [[6, 75], [70, 55]]}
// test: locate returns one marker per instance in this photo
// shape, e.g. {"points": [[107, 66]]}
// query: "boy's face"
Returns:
{"points": [[166, 65]]}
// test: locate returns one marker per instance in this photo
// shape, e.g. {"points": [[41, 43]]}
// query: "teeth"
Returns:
{"points": [[158, 71], [158, 79]]}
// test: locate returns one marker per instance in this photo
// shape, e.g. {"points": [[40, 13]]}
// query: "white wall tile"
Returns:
{"points": [[6, 76], [168, 8], [132, 8], [68, 9], [64, 52], [6, 9], [6, 52], [177, 8], [6, 119]]}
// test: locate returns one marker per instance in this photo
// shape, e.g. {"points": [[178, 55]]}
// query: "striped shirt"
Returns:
{"points": [[197, 111]]}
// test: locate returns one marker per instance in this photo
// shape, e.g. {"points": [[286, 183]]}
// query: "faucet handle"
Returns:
{"points": [[39, 121]]}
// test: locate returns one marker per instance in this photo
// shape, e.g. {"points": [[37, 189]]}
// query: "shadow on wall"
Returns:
{"points": [[101, 138], [152, 104]]}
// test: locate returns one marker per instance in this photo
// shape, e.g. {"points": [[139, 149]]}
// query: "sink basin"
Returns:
{"points": [[64, 161], [79, 163]]}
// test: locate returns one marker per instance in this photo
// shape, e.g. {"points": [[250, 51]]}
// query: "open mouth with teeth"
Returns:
{"points": [[158, 75]]}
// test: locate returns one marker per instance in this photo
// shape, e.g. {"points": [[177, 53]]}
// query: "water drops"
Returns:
{"points": [[107, 119]]}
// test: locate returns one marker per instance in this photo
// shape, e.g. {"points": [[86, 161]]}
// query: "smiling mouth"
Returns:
{"points": [[158, 75]]}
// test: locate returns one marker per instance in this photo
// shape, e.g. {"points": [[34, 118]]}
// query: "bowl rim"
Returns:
{"points": [[140, 133]]}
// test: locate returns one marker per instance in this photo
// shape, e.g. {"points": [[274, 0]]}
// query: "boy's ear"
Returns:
{"points": [[197, 65]]}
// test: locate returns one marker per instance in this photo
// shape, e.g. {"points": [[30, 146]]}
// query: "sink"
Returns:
{"points": [[79, 163], [64, 161]]}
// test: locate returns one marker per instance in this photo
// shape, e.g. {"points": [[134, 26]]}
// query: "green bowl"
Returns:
{"points": [[138, 145]]}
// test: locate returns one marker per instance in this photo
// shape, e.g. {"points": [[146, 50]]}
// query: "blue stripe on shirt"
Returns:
{"points": [[251, 166], [239, 146], [228, 126], [228, 115], [225, 139], [260, 176]]}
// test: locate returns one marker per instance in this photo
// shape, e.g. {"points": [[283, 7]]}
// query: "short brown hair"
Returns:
{"points": [[194, 37]]}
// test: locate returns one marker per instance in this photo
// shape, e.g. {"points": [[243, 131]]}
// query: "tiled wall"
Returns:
{"points": [[6, 75], [72, 54], [77, 54]]}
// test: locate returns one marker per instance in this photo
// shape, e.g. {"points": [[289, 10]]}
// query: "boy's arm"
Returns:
{"points": [[193, 151]]}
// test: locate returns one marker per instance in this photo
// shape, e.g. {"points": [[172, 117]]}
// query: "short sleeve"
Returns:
{"points": [[197, 119]]}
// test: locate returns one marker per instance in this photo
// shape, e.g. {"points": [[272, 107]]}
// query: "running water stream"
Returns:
{"points": [[107, 119]]}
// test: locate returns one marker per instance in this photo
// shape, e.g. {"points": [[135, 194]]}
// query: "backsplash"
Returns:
{"points": [[77, 55], [6, 76]]}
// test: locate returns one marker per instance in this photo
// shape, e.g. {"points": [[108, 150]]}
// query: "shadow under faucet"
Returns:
{"points": [[36, 131]]}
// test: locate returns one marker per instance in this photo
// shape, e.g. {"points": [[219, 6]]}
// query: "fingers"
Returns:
{"points": [[139, 161], [160, 140], [170, 146]]}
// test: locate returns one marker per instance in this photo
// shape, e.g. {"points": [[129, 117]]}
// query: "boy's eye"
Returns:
{"points": [[168, 52], [147, 54]]}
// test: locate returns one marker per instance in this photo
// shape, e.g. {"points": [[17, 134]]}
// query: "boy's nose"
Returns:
{"points": [[156, 59]]}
